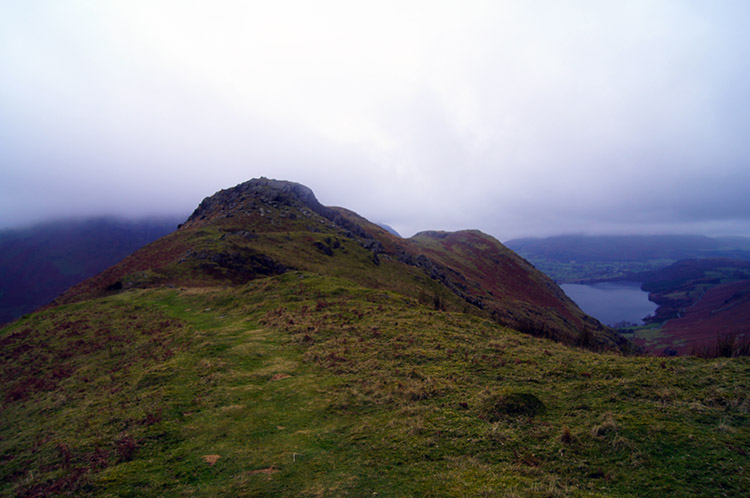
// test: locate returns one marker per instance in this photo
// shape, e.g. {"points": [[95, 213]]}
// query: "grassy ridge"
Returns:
{"points": [[463, 271], [305, 385]]}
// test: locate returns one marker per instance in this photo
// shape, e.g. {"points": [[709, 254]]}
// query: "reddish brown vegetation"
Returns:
{"points": [[74, 340], [512, 290], [723, 312], [156, 255]]}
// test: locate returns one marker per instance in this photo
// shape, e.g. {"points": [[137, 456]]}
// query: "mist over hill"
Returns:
{"points": [[39, 262]]}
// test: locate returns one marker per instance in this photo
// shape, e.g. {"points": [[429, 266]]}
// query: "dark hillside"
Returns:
{"points": [[695, 271], [40, 262], [682, 284], [701, 303], [718, 324]]}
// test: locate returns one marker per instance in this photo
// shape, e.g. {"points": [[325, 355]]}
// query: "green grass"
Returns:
{"points": [[305, 385]]}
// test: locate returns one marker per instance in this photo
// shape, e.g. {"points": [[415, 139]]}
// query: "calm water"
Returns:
{"points": [[612, 302]]}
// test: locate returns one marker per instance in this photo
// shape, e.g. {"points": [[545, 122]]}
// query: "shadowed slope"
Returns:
{"points": [[39, 262], [512, 290]]}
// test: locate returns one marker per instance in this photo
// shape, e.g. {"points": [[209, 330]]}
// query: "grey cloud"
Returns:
{"points": [[518, 118]]}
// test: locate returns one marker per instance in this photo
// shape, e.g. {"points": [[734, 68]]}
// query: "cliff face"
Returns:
{"points": [[264, 227]]}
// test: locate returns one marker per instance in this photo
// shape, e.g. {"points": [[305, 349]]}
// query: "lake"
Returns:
{"points": [[612, 302]]}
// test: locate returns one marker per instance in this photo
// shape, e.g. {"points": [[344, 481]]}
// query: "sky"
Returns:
{"points": [[518, 118]]}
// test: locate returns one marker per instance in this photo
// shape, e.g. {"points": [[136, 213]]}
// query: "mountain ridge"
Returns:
{"points": [[291, 229]]}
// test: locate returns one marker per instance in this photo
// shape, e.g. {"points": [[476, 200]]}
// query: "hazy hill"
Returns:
{"points": [[573, 258], [273, 346], [40, 262]]}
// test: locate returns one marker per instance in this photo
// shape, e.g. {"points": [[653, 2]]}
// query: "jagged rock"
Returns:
{"points": [[324, 248], [372, 245], [242, 264]]}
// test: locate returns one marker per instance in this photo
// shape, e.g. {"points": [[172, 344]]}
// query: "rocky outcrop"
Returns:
{"points": [[239, 265], [449, 278], [271, 192]]}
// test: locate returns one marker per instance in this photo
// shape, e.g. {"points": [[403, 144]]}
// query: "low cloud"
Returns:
{"points": [[517, 118]]}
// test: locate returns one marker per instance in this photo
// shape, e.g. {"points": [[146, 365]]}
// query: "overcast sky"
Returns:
{"points": [[520, 118]]}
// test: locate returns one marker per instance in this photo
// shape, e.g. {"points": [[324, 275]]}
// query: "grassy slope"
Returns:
{"points": [[306, 385], [511, 288], [513, 292]]}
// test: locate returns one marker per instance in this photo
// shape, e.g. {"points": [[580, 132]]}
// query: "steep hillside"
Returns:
{"points": [[512, 290], [40, 262], [266, 227], [718, 324], [702, 304]]}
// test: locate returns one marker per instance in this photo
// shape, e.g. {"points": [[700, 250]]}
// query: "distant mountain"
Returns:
{"points": [[389, 229], [40, 262], [576, 258]]}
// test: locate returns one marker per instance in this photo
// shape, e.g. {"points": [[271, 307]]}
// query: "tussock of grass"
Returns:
{"points": [[496, 405]]}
